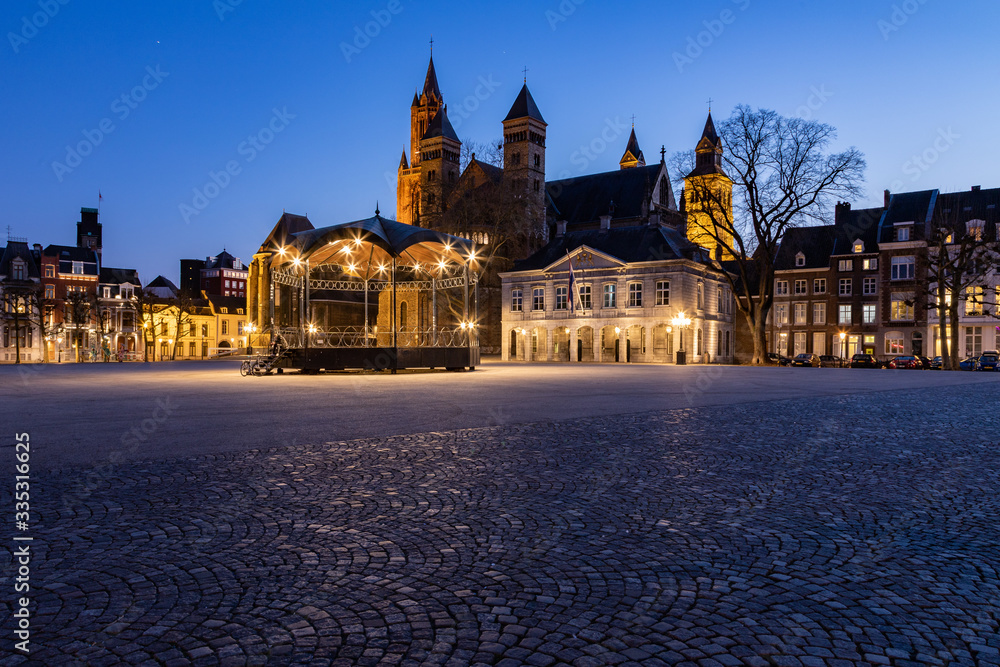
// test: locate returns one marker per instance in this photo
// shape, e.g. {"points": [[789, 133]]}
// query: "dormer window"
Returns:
{"points": [[78, 268], [903, 233], [859, 246], [800, 260], [974, 228], [224, 310], [18, 270]]}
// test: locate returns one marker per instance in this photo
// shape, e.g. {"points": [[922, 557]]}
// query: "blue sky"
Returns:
{"points": [[899, 80]]}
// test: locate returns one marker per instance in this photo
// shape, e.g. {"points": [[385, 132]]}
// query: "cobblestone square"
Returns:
{"points": [[823, 527]]}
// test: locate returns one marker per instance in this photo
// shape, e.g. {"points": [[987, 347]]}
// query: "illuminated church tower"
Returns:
{"points": [[422, 183], [708, 194]]}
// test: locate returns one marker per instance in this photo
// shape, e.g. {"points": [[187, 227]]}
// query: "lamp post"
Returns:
{"points": [[681, 322], [843, 352], [250, 328]]}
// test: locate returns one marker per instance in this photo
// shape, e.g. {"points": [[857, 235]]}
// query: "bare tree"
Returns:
{"points": [[143, 304], [958, 258], [183, 305], [782, 177], [40, 313], [17, 314], [490, 152], [80, 312]]}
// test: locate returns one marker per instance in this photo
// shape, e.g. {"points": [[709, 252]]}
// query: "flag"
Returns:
{"points": [[572, 285]]}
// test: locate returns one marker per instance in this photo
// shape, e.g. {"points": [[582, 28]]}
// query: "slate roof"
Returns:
{"points": [[431, 88], [955, 209], [112, 276], [162, 287], [852, 226], [915, 207], [816, 243], [231, 303], [288, 224], [637, 243], [223, 260], [524, 107], [709, 131], [585, 199], [494, 172], [71, 253], [18, 249], [440, 126]]}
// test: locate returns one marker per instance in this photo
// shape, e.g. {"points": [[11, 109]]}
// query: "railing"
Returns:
{"points": [[405, 337]]}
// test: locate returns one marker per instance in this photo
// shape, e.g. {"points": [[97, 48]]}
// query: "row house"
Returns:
{"points": [[19, 281], [119, 323], [861, 284]]}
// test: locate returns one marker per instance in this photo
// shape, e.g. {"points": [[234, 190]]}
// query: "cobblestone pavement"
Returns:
{"points": [[823, 531]]}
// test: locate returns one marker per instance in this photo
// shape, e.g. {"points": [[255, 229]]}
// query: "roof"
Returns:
{"points": [[524, 107], [815, 243], [223, 261], [162, 287], [709, 131], [440, 126], [586, 198], [71, 253], [955, 209], [633, 149], [230, 303], [14, 250], [403, 164], [112, 276], [915, 207], [493, 172], [287, 225], [860, 225], [431, 88], [636, 243]]}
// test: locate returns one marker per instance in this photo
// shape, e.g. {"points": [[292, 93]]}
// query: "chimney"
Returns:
{"points": [[886, 195], [560, 228], [38, 248], [840, 212], [605, 222], [977, 188]]}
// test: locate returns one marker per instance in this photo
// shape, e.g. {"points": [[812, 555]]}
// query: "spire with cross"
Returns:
{"points": [[525, 72]]}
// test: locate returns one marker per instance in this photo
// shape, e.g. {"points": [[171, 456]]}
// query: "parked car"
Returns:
{"points": [[831, 361], [968, 364], [865, 361], [807, 359], [779, 359], [937, 363], [987, 362], [906, 361]]}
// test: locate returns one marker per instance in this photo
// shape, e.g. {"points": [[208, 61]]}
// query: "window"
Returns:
{"points": [[239, 328], [819, 286], [224, 310], [609, 296], [78, 268], [974, 300], [126, 292], [845, 287], [50, 291], [800, 260], [901, 307], [516, 300], [974, 228], [781, 288], [191, 349], [227, 284], [846, 265], [585, 300], [973, 340], [50, 271], [819, 313], [800, 313], [893, 343], [225, 327], [868, 313], [859, 246], [903, 233], [515, 158], [538, 298], [870, 264], [844, 314], [870, 286], [663, 292], [902, 268], [538, 160], [106, 291], [801, 287], [799, 342], [701, 295], [635, 295], [18, 270], [204, 331], [781, 314], [562, 297]]}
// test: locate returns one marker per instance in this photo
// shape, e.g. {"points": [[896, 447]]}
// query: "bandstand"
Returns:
{"points": [[370, 294]]}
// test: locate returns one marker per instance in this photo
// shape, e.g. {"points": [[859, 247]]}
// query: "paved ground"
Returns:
{"points": [[839, 527]]}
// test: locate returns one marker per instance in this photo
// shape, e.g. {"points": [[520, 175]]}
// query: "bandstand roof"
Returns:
{"points": [[370, 245]]}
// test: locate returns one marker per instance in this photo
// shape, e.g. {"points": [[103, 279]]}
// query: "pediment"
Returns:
{"points": [[585, 258]]}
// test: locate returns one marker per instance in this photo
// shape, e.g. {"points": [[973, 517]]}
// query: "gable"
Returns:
{"points": [[584, 258]]}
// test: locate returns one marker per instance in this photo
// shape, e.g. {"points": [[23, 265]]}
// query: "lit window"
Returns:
{"points": [[846, 265], [868, 313], [870, 264], [800, 313], [225, 327], [538, 298], [781, 314], [50, 291], [78, 268], [819, 313], [974, 300], [609, 296], [781, 288], [901, 307], [844, 314], [50, 271], [859, 246], [893, 344]]}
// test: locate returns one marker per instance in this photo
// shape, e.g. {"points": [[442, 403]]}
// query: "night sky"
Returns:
{"points": [[160, 96]]}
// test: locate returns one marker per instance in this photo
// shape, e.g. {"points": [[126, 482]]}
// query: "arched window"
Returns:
{"points": [[664, 192]]}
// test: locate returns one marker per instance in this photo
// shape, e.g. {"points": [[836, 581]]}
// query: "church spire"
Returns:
{"points": [[709, 133], [633, 154], [431, 89]]}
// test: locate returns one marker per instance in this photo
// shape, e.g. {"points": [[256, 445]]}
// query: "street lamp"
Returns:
{"points": [[681, 322], [843, 352]]}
